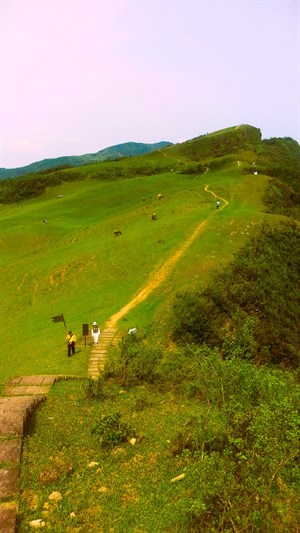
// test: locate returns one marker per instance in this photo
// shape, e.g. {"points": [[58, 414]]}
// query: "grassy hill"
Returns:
{"points": [[196, 404], [74, 264], [219, 143]]}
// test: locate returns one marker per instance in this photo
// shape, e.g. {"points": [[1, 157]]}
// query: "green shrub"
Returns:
{"points": [[134, 361], [194, 168], [93, 388], [201, 434], [241, 344], [195, 319], [111, 430]]}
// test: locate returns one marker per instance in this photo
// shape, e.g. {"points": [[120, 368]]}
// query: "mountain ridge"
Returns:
{"points": [[116, 151]]}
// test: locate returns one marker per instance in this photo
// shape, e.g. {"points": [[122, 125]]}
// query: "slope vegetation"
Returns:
{"points": [[60, 253], [194, 423], [112, 152]]}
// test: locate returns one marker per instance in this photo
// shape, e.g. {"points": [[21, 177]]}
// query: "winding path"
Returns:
{"points": [[157, 278]]}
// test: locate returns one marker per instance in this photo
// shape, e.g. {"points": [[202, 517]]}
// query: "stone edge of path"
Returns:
{"points": [[20, 398]]}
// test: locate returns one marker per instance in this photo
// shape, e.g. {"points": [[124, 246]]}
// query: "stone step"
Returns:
{"points": [[31, 390], [109, 337]]}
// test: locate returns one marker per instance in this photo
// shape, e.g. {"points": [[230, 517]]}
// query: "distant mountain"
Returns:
{"points": [[117, 151]]}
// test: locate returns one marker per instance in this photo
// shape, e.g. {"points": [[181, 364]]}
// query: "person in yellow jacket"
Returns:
{"points": [[71, 338]]}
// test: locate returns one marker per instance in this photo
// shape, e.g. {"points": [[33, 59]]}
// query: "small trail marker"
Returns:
{"points": [[85, 332], [59, 318]]}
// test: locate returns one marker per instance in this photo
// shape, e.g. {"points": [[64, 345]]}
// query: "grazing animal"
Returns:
{"points": [[159, 196], [154, 216], [117, 232]]}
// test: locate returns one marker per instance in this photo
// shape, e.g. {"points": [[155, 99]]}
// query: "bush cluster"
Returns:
{"points": [[280, 158], [134, 361], [93, 388], [111, 430], [240, 448], [241, 454], [252, 308]]}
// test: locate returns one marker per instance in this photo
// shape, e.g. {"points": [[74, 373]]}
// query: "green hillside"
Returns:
{"points": [[219, 143], [73, 263], [112, 152], [210, 383]]}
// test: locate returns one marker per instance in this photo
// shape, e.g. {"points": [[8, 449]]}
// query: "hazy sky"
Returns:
{"points": [[78, 76]]}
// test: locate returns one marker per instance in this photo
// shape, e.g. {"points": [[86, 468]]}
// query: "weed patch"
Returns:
{"points": [[111, 431], [134, 361], [168, 460]]}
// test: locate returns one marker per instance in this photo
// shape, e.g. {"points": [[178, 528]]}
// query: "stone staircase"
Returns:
{"points": [[110, 336], [21, 396]]}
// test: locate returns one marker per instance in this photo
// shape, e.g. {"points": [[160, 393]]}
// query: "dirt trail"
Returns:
{"points": [[157, 278]]}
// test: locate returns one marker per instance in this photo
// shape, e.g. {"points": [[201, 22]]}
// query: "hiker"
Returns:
{"points": [[71, 338], [95, 332], [217, 204]]}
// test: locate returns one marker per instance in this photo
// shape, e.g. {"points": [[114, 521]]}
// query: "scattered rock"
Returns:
{"points": [[55, 496], [38, 523], [47, 506], [103, 489], [181, 476], [92, 464]]}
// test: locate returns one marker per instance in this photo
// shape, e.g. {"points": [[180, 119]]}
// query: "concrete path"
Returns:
{"points": [[109, 337], [21, 396]]}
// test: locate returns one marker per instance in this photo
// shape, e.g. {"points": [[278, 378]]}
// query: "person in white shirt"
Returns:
{"points": [[95, 332]]}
